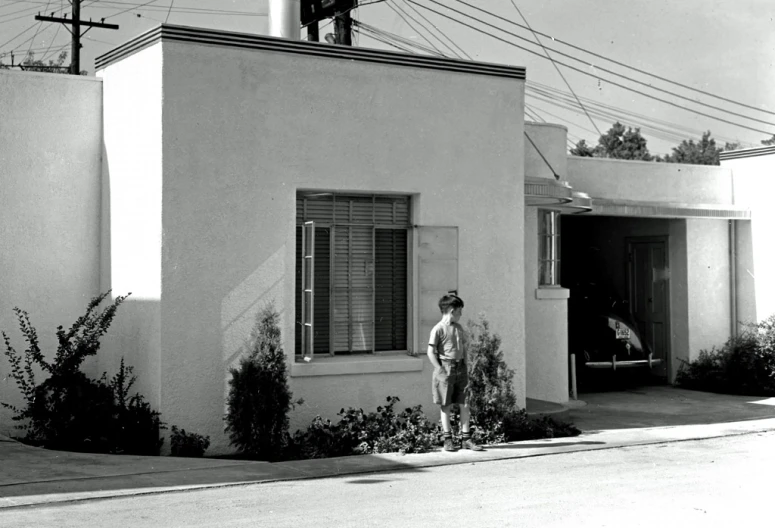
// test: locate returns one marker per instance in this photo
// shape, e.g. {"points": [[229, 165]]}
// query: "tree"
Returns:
{"points": [[704, 152], [623, 143], [31, 64], [582, 150], [770, 141]]}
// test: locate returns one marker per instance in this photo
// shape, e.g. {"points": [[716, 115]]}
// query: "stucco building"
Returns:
{"points": [[209, 173]]}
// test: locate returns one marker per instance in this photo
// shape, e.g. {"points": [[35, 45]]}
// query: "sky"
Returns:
{"points": [[724, 48]]}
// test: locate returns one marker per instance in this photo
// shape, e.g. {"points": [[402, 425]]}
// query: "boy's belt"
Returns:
{"points": [[452, 361]]}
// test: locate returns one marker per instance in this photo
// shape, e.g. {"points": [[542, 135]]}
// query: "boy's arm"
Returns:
{"points": [[433, 357]]}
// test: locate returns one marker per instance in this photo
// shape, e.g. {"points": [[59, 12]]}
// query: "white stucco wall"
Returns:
{"points": [[754, 178], [707, 243], [546, 151], [546, 308], [131, 220], [243, 130], [49, 207], [651, 182], [546, 326]]}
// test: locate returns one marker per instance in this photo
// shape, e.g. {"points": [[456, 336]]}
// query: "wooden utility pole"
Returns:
{"points": [[77, 23], [343, 27]]}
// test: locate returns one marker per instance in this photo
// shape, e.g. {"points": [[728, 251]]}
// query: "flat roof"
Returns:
{"points": [[212, 37]]}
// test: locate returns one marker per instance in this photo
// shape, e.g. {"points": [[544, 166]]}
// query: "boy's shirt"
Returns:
{"points": [[449, 340]]}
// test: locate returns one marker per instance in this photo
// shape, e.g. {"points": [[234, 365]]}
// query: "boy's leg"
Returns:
{"points": [[465, 418], [446, 426], [446, 422]]}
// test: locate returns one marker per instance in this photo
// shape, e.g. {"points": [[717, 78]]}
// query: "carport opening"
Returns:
{"points": [[617, 270]]}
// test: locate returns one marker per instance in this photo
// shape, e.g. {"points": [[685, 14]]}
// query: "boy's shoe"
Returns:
{"points": [[449, 445], [469, 444]]}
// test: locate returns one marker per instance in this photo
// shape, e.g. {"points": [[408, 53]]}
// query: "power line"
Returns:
{"points": [[392, 7], [461, 50], [610, 72], [424, 27], [625, 65], [676, 105], [557, 68]]}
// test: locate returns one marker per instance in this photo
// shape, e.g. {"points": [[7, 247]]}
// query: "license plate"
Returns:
{"points": [[622, 332]]}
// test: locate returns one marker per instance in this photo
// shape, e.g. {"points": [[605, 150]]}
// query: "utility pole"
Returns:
{"points": [[77, 23], [343, 24]]}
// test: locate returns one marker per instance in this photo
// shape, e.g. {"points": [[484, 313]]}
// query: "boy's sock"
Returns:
{"points": [[448, 444], [468, 443]]}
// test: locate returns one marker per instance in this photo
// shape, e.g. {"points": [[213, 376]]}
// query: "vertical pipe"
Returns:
{"points": [[733, 277], [285, 19]]}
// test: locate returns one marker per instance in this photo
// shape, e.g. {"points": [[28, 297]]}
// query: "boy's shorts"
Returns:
{"points": [[450, 383]]}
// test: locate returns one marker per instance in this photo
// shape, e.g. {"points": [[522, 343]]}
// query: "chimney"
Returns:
{"points": [[285, 19]]}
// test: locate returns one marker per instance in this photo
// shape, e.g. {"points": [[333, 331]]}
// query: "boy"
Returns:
{"points": [[447, 352]]}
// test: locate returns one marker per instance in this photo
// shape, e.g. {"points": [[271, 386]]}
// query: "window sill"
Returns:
{"points": [[552, 293], [342, 365]]}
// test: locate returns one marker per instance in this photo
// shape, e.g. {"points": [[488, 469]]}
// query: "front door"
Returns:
{"points": [[648, 281]]}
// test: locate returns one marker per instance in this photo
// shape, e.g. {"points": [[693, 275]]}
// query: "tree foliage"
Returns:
{"points": [[703, 152], [770, 141]]}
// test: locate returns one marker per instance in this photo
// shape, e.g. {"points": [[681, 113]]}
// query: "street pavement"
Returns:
{"points": [[714, 482], [38, 478]]}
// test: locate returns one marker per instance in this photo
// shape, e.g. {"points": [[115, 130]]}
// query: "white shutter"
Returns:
{"points": [[437, 275], [308, 289]]}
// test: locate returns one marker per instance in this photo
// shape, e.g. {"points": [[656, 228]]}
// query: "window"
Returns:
{"points": [[548, 248], [351, 273]]}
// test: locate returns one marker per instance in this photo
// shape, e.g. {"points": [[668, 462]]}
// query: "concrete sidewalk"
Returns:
{"points": [[32, 476]]}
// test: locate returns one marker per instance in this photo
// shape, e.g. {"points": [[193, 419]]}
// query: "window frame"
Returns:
{"points": [[400, 222], [549, 258]]}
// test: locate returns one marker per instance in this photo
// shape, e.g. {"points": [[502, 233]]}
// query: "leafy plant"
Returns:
{"points": [[183, 444], [745, 364], [259, 398], [495, 416], [70, 411], [361, 433]]}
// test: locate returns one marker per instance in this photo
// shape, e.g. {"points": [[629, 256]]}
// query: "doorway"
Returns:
{"points": [[648, 287]]}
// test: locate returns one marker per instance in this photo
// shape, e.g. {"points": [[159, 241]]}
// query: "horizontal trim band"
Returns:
{"points": [[667, 210], [213, 37], [746, 153]]}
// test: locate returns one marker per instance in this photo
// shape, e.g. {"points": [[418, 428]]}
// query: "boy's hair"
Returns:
{"points": [[449, 303]]}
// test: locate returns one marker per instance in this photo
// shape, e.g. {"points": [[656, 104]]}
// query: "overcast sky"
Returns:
{"points": [[725, 48]]}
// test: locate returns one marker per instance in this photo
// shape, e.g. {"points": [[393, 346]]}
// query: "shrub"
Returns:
{"points": [[70, 411], [183, 444], [360, 433], [259, 398], [495, 417], [745, 364]]}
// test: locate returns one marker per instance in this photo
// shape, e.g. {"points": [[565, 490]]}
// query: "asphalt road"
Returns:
{"points": [[716, 482]]}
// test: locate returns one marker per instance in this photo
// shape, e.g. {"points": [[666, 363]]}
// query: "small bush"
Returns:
{"points": [[183, 444], [70, 411], [745, 364], [361, 433], [259, 398], [495, 417]]}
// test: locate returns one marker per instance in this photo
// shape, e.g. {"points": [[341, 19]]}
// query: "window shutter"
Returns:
{"points": [[353, 289], [322, 307], [391, 291], [437, 249], [308, 289]]}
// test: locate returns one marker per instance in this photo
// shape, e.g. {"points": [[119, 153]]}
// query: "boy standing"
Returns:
{"points": [[447, 352]]}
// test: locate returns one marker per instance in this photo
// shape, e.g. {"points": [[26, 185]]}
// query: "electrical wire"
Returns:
{"points": [[461, 50], [618, 63], [556, 67], [671, 103], [400, 14], [600, 68]]}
